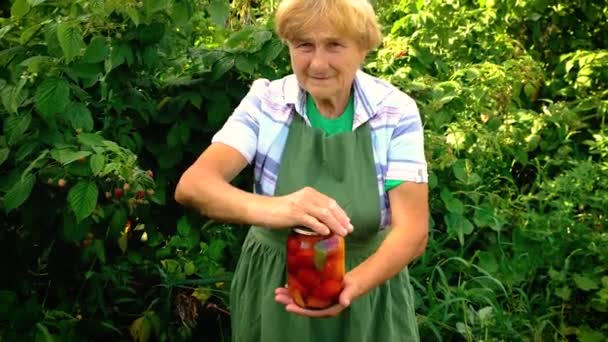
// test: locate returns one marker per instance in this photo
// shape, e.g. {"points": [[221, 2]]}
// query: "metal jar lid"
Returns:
{"points": [[305, 231]]}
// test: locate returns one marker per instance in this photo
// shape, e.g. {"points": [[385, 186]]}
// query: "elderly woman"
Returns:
{"points": [[335, 150]]}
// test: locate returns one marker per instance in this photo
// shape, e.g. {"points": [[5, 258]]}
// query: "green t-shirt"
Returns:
{"points": [[342, 123]]}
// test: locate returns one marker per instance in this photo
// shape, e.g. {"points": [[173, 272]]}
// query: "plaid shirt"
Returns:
{"points": [[258, 129]]}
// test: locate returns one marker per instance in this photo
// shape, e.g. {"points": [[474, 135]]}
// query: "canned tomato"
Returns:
{"points": [[315, 268]]}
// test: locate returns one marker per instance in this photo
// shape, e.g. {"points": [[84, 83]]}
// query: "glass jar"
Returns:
{"points": [[315, 268]]}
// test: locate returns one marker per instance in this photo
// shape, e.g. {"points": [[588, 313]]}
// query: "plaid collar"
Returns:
{"points": [[368, 95]]}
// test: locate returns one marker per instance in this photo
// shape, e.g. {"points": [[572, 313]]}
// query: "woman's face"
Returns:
{"points": [[325, 63]]}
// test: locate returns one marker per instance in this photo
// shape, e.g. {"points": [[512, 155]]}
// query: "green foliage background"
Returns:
{"points": [[106, 102]]}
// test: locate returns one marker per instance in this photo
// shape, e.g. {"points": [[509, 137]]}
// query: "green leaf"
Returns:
{"points": [[4, 152], [452, 204], [15, 126], [19, 193], [221, 67], [20, 8], [151, 56], [83, 199], [216, 249], [133, 13], [100, 250], [90, 139], [272, 50], [586, 334], [585, 283], [459, 170], [173, 138], [28, 33], [120, 54], [80, 117], [4, 30], [90, 73], [488, 262], [52, 41], [13, 96], [563, 292], [458, 225], [218, 11], [52, 96], [66, 157], [195, 99], [153, 6], [183, 227], [189, 268], [70, 40], [117, 223], [485, 217], [36, 63], [43, 334], [244, 64], [26, 149], [98, 161], [97, 51], [35, 3], [38, 162], [261, 37], [182, 11], [218, 110]]}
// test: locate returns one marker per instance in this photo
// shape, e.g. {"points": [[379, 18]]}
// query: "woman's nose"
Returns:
{"points": [[319, 60]]}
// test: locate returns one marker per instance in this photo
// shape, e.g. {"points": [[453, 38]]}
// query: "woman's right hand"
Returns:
{"points": [[309, 208]]}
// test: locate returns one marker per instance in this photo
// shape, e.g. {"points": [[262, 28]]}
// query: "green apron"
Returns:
{"points": [[342, 167]]}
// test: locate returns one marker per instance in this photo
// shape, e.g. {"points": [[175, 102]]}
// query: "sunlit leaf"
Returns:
{"points": [[70, 40], [202, 294], [20, 8], [585, 283], [140, 330]]}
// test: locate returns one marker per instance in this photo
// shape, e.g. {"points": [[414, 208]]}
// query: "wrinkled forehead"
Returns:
{"points": [[320, 31]]}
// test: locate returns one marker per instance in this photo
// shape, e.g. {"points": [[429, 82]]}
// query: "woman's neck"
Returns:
{"points": [[332, 107]]}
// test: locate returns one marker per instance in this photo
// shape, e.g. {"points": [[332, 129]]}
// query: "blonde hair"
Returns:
{"points": [[353, 18]]}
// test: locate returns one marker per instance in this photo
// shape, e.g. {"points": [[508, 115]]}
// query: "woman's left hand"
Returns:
{"points": [[350, 292]]}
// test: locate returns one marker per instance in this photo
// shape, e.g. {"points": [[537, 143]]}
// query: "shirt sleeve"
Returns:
{"points": [[406, 159], [241, 129]]}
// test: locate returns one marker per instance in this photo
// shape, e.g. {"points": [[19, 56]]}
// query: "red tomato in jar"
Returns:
{"points": [[292, 264], [293, 246], [306, 258], [328, 290], [333, 270], [308, 278]]}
